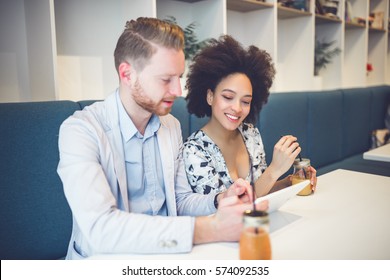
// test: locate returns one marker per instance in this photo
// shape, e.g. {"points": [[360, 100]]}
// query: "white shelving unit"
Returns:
{"points": [[355, 47], [378, 44], [54, 49], [388, 44]]}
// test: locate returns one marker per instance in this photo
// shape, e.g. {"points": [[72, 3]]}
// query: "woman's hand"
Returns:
{"points": [[285, 152], [240, 188], [313, 178]]}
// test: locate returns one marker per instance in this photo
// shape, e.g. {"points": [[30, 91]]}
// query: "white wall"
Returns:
{"points": [[27, 52], [41, 49], [14, 78], [85, 45]]}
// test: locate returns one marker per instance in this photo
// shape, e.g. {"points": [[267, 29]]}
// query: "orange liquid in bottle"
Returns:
{"points": [[255, 245], [306, 190]]}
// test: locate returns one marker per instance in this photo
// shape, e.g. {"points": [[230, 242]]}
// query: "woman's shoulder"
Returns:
{"points": [[200, 143], [197, 138], [249, 130]]}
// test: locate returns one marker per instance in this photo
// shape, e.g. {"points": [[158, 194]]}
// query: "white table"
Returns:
{"points": [[347, 218], [382, 153]]}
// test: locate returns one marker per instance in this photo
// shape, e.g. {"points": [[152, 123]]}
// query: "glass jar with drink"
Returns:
{"points": [[302, 172], [255, 243]]}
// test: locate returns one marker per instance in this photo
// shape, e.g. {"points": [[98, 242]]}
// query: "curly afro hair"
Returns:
{"points": [[221, 58]]}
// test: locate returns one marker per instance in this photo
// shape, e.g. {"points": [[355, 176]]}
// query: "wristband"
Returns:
{"points": [[216, 201]]}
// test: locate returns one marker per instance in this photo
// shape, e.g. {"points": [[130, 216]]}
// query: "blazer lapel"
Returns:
{"points": [[115, 139], [165, 147]]}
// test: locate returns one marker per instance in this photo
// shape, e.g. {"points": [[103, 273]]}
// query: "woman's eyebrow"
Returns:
{"points": [[229, 90], [232, 91]]}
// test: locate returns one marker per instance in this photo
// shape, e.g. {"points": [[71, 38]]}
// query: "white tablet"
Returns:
{"points": [[278, 198]]}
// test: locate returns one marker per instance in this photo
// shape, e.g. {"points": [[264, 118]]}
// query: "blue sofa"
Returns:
{"points": [[333, 128]]}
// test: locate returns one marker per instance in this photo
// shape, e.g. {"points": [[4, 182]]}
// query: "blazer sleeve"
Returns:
{"points": [[188, 203]]}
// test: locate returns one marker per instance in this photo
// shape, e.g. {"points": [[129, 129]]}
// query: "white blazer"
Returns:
{"points": [[92, 169]]}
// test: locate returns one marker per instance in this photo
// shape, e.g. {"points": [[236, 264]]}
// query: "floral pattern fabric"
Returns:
{"points": [[206, 167]]}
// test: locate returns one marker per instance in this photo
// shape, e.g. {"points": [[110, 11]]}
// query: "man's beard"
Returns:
{"points": [[146, 102]]}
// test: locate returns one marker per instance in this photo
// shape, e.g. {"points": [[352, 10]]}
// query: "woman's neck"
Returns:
{"points": [[219, 134]]}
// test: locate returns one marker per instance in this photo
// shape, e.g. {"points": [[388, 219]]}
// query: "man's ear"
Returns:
{"points": [[124, 71]]}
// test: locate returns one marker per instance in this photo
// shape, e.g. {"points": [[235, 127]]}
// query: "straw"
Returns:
{"points": [[252, 182], [253, 189], [300, 159]]}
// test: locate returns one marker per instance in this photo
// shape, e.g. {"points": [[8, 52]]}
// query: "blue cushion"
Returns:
{"points": [[380, 97], [356, 121], [179, 110], [357, 163], [284, 114], [325, 127], [85, 103], [197, 123], [35, 218]]}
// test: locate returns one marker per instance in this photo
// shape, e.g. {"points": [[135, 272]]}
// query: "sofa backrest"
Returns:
{"points": [[284, 114], [35, 218], [330, 125]]}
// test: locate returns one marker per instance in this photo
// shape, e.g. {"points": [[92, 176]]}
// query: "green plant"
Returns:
{"points": [[192, 44], [323, 54]]}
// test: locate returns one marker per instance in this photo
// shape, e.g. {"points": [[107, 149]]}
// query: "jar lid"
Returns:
{"points": [[305, 162], [255, 218]]}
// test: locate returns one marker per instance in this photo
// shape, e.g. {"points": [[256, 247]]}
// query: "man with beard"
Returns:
{"points": [[121, 165]]}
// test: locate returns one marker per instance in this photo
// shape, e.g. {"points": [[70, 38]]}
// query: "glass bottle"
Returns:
{"points": [[255, 243], [301, 172]]}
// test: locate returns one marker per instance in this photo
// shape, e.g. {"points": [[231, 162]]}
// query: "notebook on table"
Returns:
{"points": [[278, 198]]}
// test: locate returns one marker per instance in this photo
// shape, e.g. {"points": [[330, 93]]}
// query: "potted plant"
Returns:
{"points": [[323, 54], [192, 44]]}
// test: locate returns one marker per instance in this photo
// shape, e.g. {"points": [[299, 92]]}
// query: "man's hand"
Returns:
{"points": [[228, 219], [226, 224], [240, 188]]}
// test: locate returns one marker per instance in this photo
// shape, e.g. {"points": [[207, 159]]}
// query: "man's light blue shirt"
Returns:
{"points": [[145, 183]]}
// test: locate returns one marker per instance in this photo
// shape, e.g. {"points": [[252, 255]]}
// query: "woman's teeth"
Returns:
{"points": [[232, 117]]}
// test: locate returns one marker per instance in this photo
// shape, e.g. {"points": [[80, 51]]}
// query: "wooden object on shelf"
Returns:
{"points": [[377, 21], [190, 1], [285, 13], [326, 19], [247, 5], [354, 25]]}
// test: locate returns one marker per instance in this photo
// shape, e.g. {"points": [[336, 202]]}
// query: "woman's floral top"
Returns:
{"points": [[205, 166]]}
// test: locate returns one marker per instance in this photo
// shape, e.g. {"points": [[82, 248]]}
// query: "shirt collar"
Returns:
{"points": [[128, 128]]}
